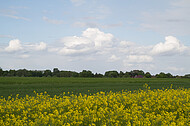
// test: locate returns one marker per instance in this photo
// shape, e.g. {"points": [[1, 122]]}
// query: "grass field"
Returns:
{"points": [[56, 86]]}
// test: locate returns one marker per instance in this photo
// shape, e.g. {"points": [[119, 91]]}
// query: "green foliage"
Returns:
{"points": [[1, 71], [187, 76], [112, 74], [47, 73], [148, 75], [163, 75], [56, 72], [86, 73]]}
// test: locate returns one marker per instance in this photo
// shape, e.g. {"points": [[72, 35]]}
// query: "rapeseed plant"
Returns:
{"points": [[138, 108]]}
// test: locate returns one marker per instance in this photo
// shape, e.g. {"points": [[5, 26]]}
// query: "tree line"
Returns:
{"points": [[85, 73]]}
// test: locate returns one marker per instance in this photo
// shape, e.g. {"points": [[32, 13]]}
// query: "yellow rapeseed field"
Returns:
{"points": [[139, 108]]}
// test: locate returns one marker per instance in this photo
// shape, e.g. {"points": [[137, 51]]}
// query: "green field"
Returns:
{"points": [[56, 86]]}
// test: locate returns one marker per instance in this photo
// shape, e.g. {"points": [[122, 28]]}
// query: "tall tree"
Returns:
{"points": [[56, 72], [47, 73], [121, 74], [86, 73], [1, 71], [148, 75], [112, 74]]}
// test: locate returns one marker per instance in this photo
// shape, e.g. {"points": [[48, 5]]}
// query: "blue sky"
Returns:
{"points": [[97, 35]]}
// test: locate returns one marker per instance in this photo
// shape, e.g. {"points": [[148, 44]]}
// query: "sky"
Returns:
{"points": [[96, 35]]}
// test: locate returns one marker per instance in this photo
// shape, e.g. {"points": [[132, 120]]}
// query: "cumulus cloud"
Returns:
{"points": [[91, 40], [14, 45], [171, 46], [76, 52], [94, 44], [99, 38], [52, 21], [40, 46], [74, 41], [23, 50]]}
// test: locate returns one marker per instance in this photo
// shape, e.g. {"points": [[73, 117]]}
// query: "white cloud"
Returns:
{"points": [[113, 58], [74, 41], [127, 44], [131, 48], [139, 59], [92, 40], [40, 46], [175, 69], [24, 56], [99, 38], [138, 66], [23, 50], [52, 21], [74, 52], [171, 46], [105, 51], [14, 45], [144, 62]]}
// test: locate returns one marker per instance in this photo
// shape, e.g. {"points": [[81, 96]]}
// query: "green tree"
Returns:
{"points": [[121, 74], [86, 73], [127, 74], [161, 75], [98, 75], [169, 75], [56, 72], [12, 73], [112, 74], [47, 73], [148, 75], [187, 76], [75, 74], [21, 73], [1, 71]]}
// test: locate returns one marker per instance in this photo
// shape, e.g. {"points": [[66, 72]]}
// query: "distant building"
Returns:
{"points": [[139, 76]]}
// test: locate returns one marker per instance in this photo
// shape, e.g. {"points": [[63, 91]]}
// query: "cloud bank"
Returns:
{"points": [[95, 44]]}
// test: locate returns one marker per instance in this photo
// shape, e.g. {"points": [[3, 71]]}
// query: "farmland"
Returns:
{"points": [[94, 101], [56, 86]]}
